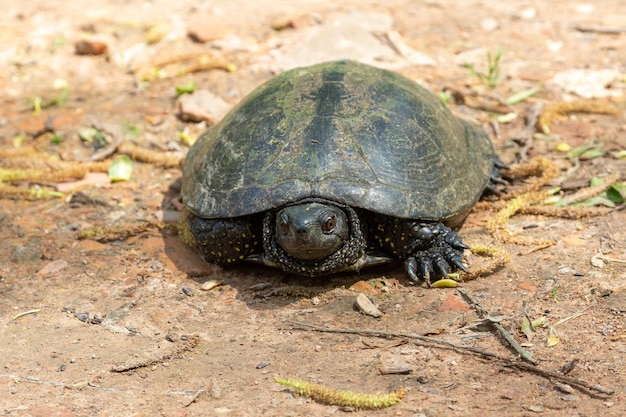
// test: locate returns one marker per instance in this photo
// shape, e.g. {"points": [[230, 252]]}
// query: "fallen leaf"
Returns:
{"points": [[121, 169], [573, 241], [53, 267], [527, 329], [445, 283], [553, 337], [597, 261]]}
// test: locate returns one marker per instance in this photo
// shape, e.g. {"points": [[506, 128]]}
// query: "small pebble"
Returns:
{"points": [[96, 319], [365, 306], [90, 47], [84, 317], [569, 398], [262, 364], [187, 291], [201, 106], [528, 13], [62, 368], [209, 285], [402, 369], [564, 388], [173, 335], [260, 286], [489, 24]]}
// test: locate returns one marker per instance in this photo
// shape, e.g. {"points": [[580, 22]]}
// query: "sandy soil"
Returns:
{"points": [[96, 306]]}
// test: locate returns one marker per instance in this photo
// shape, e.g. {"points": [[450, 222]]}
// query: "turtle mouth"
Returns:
{"points": [[305, 250]]}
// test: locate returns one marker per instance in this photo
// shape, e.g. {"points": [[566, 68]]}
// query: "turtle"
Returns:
{"points": [[335, 167]]}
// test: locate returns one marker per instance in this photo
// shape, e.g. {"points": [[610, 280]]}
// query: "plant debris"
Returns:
{"points": [[428, 341], [556, 111], [184, 346], [357, 400]]}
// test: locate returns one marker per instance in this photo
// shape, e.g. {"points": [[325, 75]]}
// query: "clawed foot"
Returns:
{"points": [[496, 179], [436, 251]]}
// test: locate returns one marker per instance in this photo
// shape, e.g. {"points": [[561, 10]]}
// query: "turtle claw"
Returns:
{"points": [[433, 258], [495, 178]]}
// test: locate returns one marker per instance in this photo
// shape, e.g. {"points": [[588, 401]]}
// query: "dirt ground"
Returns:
{"points": [[72, 311]]}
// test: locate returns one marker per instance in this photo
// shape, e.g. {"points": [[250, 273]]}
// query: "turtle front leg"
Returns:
{"points": [[433, 250], [222, 241]]}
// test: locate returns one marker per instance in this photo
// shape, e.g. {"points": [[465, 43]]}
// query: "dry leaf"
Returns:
{"points": [[573, 241], [527, 329], [553, 337]]}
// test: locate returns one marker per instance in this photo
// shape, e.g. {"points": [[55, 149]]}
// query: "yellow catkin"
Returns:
{"points": [[330, 396], [11, 191], [163, 159], [572, 213], [115, 233], [169, 65], [539, 167], [555, 111], [64, 172], [498, 257]]}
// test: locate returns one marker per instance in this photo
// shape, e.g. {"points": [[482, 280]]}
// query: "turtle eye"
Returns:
{"points": [[330, 223], [284, 223]]}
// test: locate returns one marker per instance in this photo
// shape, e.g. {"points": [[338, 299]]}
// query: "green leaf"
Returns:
{"points": [[617, 193], [87, 134], [595, 181], [131, 130], [599, 200], [446, 97], [187, 88], [586, 152], [506, 118], [523, 95], [120, 169], [92, 136]]}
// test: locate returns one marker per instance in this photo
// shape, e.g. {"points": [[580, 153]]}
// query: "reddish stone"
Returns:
{"points": [[90, 47], [452, 303], [527, 286]]}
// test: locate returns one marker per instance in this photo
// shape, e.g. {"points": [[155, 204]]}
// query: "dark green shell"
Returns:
{"points": [[341, 131]]}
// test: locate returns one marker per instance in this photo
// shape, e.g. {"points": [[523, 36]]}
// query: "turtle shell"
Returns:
{"points": [[341, 131]]}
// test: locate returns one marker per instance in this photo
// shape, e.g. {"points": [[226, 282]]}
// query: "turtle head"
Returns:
{"points": [[311, 231]]}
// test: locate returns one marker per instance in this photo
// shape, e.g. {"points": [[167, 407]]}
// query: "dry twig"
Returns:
{"points": [[174, 351], [484, 314], [580, 383]]}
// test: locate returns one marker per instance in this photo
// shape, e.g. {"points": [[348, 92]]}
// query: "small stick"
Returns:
{"points": [[600, 29], [483, 313], [27, 378], [589, 192], [463, 349], [529, 129], [168, 354], [194, 398]]}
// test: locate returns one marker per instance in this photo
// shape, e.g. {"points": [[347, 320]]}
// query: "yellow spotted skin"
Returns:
{"points": [[225, 241], [391, 235]]}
